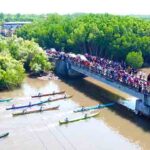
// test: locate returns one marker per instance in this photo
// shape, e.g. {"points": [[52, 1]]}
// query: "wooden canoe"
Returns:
{"points": [[99, 106], [49, 94], [78, 119], [6, 99], [24, 112], [38, 103], [25, 106], [61, 98], [4, 134]]}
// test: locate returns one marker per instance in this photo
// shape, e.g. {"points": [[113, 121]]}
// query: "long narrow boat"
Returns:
{"points": [[24, 112], [6, 99], [56, 99], [4, 134], [99, 106], [54, 93], [36, 104], [66, 121], [25, 106]]}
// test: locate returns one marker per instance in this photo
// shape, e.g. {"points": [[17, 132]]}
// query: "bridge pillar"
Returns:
{"points": [[63, 68], [147, 100], [141, 108]]}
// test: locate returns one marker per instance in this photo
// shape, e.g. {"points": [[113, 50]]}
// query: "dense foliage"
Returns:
{"points": [[134, 59], [104, 35], [146, 17], [19, 17], [11, 72], [18, 55]]}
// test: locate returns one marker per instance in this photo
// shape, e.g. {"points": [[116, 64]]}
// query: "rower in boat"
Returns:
{"points": [[49, 99], [82, 108], [13, 105], [99, 105], [85, 116], [24, 110], [65, 95], [41, 108], [66, 120], [29, 104], [39, 94]]}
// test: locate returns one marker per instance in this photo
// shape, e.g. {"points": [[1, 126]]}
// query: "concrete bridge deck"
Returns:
{"points": [[69, 68]]}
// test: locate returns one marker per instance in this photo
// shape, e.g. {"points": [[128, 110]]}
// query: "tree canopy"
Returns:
{"points": [[19, 17], [16, 57], [103, 35], [11, 72], [134, 59]]}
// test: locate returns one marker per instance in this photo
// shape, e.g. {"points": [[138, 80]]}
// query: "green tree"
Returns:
{"points": [[39, 63], [103, 35], [18, 55], [11, 72], [134, 59]]}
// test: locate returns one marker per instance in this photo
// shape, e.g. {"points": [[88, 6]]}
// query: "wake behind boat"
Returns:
{"points": [[6, 99], [86, 116], [49, 94], [24, 112], [38, 103], [99, 106], [4, 135]]}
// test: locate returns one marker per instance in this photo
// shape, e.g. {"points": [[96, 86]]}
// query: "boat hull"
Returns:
{"points": [[42, 95], [36, 104], [35, 111], [94, 107], [6, 100], [78, 119], [4, 135], [57, 99]]}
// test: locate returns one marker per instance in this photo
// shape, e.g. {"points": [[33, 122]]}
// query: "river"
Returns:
{"points": [[116, 128]]}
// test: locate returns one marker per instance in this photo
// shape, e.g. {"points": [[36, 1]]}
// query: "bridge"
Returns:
{"points": [[67, 67]]}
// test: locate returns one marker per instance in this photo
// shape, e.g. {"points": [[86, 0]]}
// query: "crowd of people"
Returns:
{"points": [[114, 71]]}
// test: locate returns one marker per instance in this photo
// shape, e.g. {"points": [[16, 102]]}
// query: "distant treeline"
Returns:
{"points": [[31, 17], [147, 17], [19, 17]]}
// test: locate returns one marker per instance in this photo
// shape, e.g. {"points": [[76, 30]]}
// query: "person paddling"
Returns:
{"points": [[49, 99], [65, 95], [39, 94], [41, 108], [99, 105], [85, 116], [66, 120], [24, 110], [29, 104], [82, 108]]}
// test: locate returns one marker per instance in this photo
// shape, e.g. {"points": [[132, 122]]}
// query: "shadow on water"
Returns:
{"points": [[99, 94]]}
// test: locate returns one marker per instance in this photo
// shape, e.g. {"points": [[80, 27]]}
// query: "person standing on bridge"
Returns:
{"points": [[148, 78]]}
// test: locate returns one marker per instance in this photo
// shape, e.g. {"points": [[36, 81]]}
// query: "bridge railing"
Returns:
{"points": [[141, 86], [108, 76]]}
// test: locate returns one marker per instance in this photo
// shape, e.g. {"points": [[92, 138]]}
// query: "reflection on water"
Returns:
{"points": [[35, 87], [110, 130]]}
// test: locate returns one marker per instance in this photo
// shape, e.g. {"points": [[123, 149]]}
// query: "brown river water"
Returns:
{"points": [[116, 128]]}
